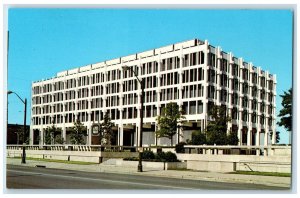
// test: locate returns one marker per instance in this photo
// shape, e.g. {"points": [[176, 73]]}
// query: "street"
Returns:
{"points": [[21, 177]]}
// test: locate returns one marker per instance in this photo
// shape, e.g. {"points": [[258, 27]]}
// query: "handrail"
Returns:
{"points": [[237, 147], [74, 147]]}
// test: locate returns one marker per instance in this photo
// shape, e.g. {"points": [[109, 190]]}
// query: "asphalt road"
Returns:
{"points": [[21, 177]]}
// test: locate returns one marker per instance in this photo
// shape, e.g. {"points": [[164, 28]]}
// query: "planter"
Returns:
{"points": [[176, 165], [156, 165]]}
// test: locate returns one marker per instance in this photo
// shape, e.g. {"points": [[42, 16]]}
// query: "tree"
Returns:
{"points": [[59, 140], [20, 132], [198, 138], [216, 128], [106, 130], [277, 136], [48, 136], [286, 112], [232, 138], [179, 148], [51, 135], [78, 132], [169, 121]]}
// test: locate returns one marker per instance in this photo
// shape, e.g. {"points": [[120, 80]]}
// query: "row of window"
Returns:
{"points": [[224, 79], [189, 108], [190, 91], [196, 58], [188, 76], [253, 118], [130, 99], [212, 93]]}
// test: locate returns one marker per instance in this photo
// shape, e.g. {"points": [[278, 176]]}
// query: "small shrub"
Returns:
{"points": [[161, 156], [198, 138], [232, 138], [179, 148], [131, 159], [148, 155], [170, 157]]}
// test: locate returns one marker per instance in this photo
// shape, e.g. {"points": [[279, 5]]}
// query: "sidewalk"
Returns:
{"points": [[194, 175]]}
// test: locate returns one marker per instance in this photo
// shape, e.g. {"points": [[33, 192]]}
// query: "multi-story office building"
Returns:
{"points": [[193, 74]]}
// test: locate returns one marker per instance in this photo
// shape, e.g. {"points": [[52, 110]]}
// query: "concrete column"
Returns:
{"points": [[136, 137], [31, 136], [64, 113], [179, 130], [104, 91], [266, 136], [90, 121], [155, 138], [89, 130], [121, 135], [205, 84], [258, 129], [180, 134], [218, 73], [76, 99], [257, 140], [180, 88], [240, 127], [41, 136], [274, 110], [121, 130], [274, 132], [229, 125], [64, 134], [118, 136], [202, 125]]}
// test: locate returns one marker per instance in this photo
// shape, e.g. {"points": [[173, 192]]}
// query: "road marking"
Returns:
{"points": [[105, 180]]}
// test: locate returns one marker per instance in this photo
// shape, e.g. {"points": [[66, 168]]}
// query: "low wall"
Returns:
{"points": [[230, 163], [153, 165], [118, 154], [161, 149], [85, 156], [213, 166], [202, 162], [176, 165], [278, 167]]}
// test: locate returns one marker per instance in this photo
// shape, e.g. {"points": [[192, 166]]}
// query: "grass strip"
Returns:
{"points": [[262, 173]]}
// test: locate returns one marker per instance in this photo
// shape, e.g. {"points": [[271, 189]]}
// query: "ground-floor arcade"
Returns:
{"points": [[129, 134]]}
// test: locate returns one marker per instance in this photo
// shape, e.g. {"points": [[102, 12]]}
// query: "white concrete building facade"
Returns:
{"points": [[193, 74]]}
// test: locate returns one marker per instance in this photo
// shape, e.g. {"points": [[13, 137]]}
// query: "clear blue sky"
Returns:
{"points": [[46, 41]]}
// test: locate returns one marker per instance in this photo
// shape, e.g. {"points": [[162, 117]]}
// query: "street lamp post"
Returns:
{"points": [[24, 132], [141, 81]]}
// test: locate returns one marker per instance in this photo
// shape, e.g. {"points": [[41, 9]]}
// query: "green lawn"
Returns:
{"points": [[262, 173], [58, 161]]}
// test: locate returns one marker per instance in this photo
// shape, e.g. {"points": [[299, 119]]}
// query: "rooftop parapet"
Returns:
{"points": [[154, 52], [149, 53]]}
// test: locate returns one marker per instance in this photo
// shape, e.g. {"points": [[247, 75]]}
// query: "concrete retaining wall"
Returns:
{"points": [[203, 162], [213, 166], [230, 163], [264, 167], [85, 156], [176, 165]]}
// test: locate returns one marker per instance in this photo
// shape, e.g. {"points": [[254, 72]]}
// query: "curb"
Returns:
{"points": [[159, 173]]}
